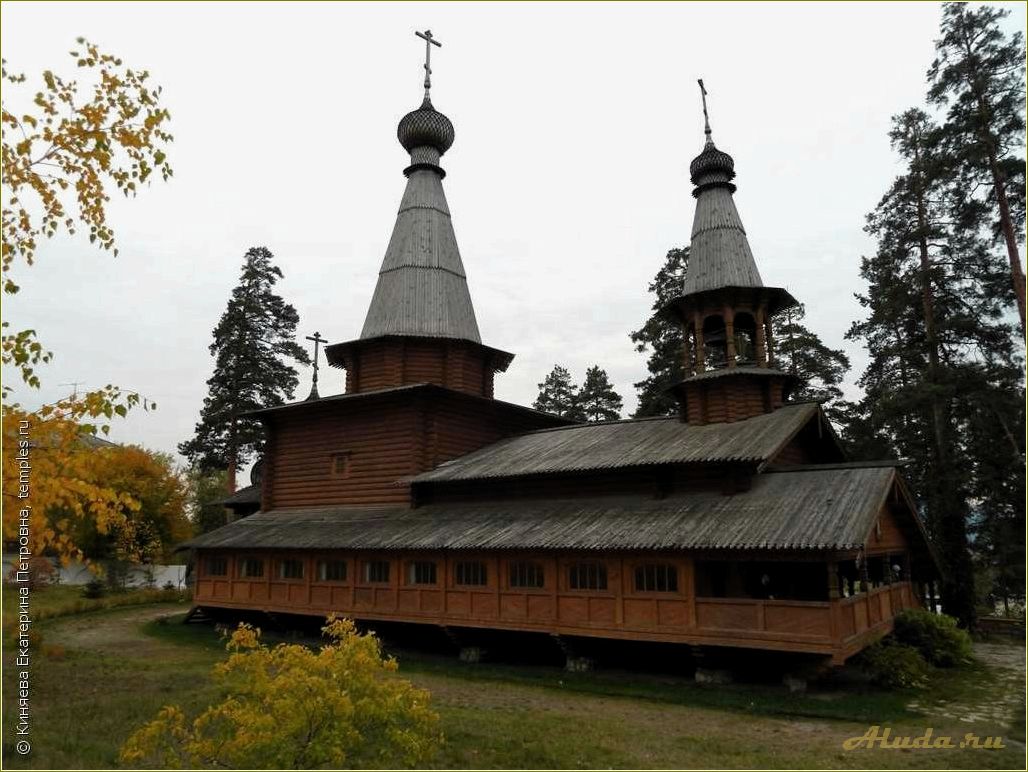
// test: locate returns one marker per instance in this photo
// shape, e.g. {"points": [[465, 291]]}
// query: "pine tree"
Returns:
{"points": [[558, 394], [662, 337], [799, 351], [598, 401], [979, 75], [937, 343], [254, 335]]}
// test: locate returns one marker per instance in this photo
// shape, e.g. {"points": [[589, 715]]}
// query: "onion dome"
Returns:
{"points": [[425, 127], [711, 162]]}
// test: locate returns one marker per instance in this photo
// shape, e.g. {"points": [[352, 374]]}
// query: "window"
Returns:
{"points": [[290, 568], [471, 573], [331, 570], [376, 571], [216, 566], [656, 577], [341, 464], [421, 572], [251, 568], [587, 576], [525, 574]]}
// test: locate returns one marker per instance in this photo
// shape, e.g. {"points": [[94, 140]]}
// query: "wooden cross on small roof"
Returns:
{"points": [[318, 340], [429, 42]]}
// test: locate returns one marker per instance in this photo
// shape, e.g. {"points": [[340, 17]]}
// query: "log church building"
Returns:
{"points": [[418, 497]]}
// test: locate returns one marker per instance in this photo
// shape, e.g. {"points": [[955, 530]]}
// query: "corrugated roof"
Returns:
{"points": [[422, 288], [811, 510], [620, 444]]}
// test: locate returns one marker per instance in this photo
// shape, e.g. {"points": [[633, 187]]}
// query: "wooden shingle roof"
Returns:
{"points": [[811, 509]]}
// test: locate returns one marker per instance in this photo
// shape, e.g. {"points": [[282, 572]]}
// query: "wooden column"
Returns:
{"points": [[834, 596], [697, 322], [687, 351], [768, 341], [729, 317], [761, 341]]}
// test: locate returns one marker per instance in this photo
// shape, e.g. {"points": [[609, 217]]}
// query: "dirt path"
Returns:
{"points": [[114, 632]]}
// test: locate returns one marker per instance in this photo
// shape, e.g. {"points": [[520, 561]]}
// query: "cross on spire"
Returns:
{"points": [[429, 42], [318, 340], [706, 118]]}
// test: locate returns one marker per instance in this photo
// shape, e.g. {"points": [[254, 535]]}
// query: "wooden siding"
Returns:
{"points": [[382, 443], [831, 628], [388, 362]]}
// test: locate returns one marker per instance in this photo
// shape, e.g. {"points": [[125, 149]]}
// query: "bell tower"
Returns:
{"points": [[725, 309], [421, 326]]}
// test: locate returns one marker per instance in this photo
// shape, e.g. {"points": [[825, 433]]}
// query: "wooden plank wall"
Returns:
{"points": [[617, 612]]}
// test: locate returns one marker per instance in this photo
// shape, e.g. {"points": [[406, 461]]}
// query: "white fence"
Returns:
{"points": [[138, 575]]}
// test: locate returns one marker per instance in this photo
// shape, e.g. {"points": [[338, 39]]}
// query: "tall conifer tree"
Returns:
{"points": [[254, 337], [800, 351], [558, 394], [662, 338], [979, 76], [597, 400]]}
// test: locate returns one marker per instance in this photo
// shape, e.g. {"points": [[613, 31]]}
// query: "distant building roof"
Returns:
{"points": [[251, 494], [830, 509], [618, 444]]}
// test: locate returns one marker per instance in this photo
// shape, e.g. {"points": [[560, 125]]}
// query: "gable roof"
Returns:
{"points": [[831, 509], [619, 444]]}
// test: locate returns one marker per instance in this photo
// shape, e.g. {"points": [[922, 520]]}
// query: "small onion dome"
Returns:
{"points": [[425, 126], [711, 161]]}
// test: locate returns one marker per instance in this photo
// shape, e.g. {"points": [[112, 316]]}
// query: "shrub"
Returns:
{"points": [[895, 665], [94, 588], [935, 636], [41, 572], [293, 707]]}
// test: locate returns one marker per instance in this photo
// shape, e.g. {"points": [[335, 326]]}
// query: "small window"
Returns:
{"points": [[251, 568], [376, 571], [290, 568], [331, 570], [341, 464], [470, 573], [587, 576], [526, 574], [216, 566], [421, 572], [656, 577]]}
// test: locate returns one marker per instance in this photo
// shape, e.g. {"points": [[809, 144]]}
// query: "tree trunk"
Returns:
{"points": [[233, 455], [1016, 272], [946, 499]]}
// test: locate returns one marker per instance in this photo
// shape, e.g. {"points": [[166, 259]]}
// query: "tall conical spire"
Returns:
{"points": [[720, 254], [422, 288]]}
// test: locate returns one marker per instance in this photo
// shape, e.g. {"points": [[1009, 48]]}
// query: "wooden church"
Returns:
{"points": [[416, 496]]}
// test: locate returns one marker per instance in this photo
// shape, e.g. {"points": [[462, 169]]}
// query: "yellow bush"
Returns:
{"points": [[292, 707]]}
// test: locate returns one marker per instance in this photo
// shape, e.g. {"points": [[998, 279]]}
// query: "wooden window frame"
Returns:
{"points": [[244, 562], [602, 573], [366, 572], [208, 560], [671, 566], [479, 564], [319, 562], [413, 566], [534, 564], [280, 564], [339, 458]]}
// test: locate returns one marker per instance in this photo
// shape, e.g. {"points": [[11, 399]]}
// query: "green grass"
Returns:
{"points": [[87, 701], [61, 600]]}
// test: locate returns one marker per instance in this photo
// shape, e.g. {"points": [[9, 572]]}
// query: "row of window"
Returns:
{"points": [[652, 577]]}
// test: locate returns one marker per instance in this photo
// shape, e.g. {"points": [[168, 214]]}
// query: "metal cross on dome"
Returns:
{"points": [[706, 118], [318, 340], [429, 42]]}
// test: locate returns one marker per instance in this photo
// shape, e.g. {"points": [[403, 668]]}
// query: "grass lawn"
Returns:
{"points": [[114, 669]]}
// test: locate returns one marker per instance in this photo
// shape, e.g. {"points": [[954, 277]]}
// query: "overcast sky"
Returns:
{"points": [[568, 180]]}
